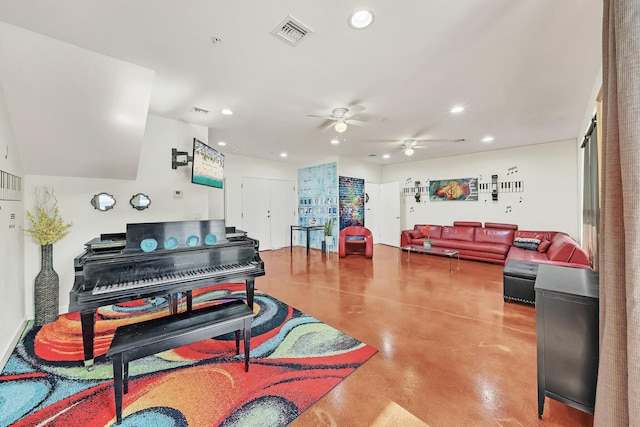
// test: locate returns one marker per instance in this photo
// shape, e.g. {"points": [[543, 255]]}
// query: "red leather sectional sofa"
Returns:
{"points": [[495, 243]]}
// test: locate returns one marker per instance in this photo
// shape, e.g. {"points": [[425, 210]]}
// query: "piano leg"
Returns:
{"points": [[87, 321], [175, 298], [173, 303], [250, 285]]}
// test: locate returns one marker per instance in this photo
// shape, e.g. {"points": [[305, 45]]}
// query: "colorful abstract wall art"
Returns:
{"points": [[454, 189], [351, 201]]}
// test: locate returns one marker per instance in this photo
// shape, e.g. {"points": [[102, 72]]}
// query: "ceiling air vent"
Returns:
{"points": [[199, 110], [291, 31]]}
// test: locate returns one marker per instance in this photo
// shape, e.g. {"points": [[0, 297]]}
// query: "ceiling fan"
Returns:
{"points": [[341, 117], [410, 144]]}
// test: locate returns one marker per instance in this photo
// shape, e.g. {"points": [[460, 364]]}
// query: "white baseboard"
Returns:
{"points": [[12, 345]]}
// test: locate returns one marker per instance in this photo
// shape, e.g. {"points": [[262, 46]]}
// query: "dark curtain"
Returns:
{"points": [[591, 197]]}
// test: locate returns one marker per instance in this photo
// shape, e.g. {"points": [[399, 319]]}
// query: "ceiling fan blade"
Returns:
{"points": [[328, 126], [356, 109], [382, 141], [441, 140], [321, 116], [355, 122]]}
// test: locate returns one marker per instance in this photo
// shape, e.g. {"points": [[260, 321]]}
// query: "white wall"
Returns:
{"points": [[12, 314], [236, 167], [155, 179], [357, 169], [549, 201]]}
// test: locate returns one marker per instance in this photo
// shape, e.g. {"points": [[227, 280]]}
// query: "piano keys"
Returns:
{"points": [[111, 272]]}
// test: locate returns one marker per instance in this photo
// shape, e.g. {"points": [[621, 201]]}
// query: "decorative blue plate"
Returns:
{"points": [[170, 243], [192, 241], [211, 239], [148, 245]]}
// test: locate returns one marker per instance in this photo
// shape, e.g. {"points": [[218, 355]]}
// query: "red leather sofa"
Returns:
{"points": [[498, 243], [520, 251]]}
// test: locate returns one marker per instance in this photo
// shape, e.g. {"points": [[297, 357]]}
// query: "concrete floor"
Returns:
{"points": [[451, 352]]}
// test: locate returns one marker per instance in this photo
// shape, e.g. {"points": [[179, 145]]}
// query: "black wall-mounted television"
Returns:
{"points": [[207, 167]]}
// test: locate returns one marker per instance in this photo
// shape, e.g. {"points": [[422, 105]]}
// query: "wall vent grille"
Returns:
{"points": [[291, 31]]}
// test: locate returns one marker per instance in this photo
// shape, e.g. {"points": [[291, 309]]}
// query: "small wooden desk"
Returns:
{"points": [[308, 229]]}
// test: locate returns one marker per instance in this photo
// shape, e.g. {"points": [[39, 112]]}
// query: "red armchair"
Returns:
{"points": [[355, 240]]}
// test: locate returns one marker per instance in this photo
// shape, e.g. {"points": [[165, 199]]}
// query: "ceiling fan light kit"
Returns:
{"points": [[408, 151], [342, 117]]}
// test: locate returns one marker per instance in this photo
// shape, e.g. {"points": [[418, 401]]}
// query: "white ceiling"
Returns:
{"points": [[525, 71]]}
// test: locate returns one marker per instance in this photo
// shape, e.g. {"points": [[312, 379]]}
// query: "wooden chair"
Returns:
{"points": [[355, 240]]}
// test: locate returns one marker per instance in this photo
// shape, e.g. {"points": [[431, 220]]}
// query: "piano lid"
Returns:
{"points": [[150, 236]]}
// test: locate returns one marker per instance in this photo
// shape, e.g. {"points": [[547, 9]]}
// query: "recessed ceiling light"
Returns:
{"points": [[457, 109], [335, 141], [283, 154], [222, 143], [361, 19], [226, 111], [385, 156], [487, 139]]}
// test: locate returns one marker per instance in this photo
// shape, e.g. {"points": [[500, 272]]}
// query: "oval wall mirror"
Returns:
{"points": [[103, 201], [140, 201]]}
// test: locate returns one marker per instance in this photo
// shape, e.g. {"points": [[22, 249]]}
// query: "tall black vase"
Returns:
{"points": [[46, 288]]}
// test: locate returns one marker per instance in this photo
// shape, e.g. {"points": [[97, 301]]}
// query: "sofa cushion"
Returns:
{"points": [[494, 235], [562, 248], [458, 233], [436, 232], [433, 233], [526, 255], [467, 224], [530, 243], [544, 245], [418, 235], [500, 225], [580, 257], [538, 234], [464, 246]]}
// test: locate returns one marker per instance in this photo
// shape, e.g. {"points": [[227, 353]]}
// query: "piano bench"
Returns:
{"points": [[138, 340]]}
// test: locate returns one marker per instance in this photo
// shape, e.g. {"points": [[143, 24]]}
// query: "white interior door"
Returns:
{"points": [[283, 212], [371, 210], [390, 214], [256, 213], [268, 211]]}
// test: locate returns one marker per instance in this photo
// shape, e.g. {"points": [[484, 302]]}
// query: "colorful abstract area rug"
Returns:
{"points": [[295, 360]]}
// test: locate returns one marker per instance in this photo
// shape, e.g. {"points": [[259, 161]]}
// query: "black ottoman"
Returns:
{"points": [[519, 278]]}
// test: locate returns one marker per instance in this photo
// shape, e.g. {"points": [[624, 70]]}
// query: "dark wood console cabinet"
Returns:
{"points": [[567, 335]]}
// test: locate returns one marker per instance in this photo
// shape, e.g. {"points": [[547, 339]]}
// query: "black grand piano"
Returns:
{"points": [[159, 259]]}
